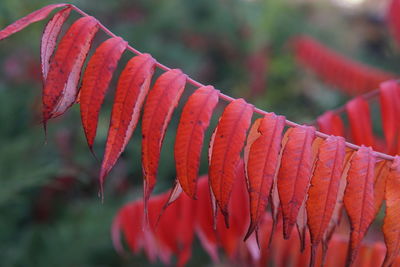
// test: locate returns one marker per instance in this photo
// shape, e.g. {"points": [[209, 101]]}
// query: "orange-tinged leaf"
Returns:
{"points": [[360, 121], [330, 123], [61, 85], [324, 188], [228, 143], [391, 225], [35, 16], [133, 86], [95, 83], [49, 38], [390, 110], [160, 104], [262, 163], [294, 174], [359, 198], [381, 171], [195, 119]]}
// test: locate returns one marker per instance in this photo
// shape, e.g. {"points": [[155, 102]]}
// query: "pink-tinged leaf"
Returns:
{"points": [[195, 119], [61, 85], [324, 188], [360, 121], [95, 82], [392, 17], [49, 38], [330, 123], [391, 225], [35, 16], [294, 174], [133, 86], [228, 143], [390, 110], [160, 104], [359, 198], [261, 159]]}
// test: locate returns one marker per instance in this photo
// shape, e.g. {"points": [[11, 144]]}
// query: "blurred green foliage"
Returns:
{"points": [[50, 212]]}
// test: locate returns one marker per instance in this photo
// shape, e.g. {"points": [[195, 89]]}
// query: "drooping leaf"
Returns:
{"points": [[194, 121], [35, 16], [95, 83], [391, 226], [360, 121], [359, 198], [228, 143], [381, 171], [133, 86], [262, 163], [390, 110], [61, 85], [49, 38], [323, 192], [294, 174], [161, 102], [330, 123]]}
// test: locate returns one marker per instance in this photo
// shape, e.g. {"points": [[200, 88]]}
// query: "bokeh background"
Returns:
{"points": [[50, 212]]}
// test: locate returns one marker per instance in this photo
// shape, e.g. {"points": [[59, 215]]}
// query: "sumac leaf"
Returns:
{"points": [[359, 198], [133, 86], [228, 143], [95, 81], [194, 121], [330, 123], [61, 85], [360, 121], [294, 174]]}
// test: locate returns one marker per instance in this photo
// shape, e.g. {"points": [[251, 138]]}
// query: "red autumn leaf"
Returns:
{"points": [[95, 83], [391, 226], [390, 110], [359, 198], [194, 121], [261, 158], [323, 192], [330, 123], [35, 16], [49, 38], [294, 174], [349, 76], [228, 143], [160, 104], [381, 171], [133, 86], [360, 121], [61, 85]]}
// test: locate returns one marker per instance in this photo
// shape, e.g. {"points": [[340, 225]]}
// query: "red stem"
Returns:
{"points": [[223, 96]]}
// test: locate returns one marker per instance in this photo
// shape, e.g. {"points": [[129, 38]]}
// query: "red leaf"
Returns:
{"points": [[49, 38], [330, 123], [60, 90], [195, 119], [323, 192], [133, 86], [360, 121], [359, 198], [35, 16], [390, 110], [391, 226], [392, 15], [381, 172], [228, 143], [261, 158], [160, 104], [95, 83], [294, 174]]}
